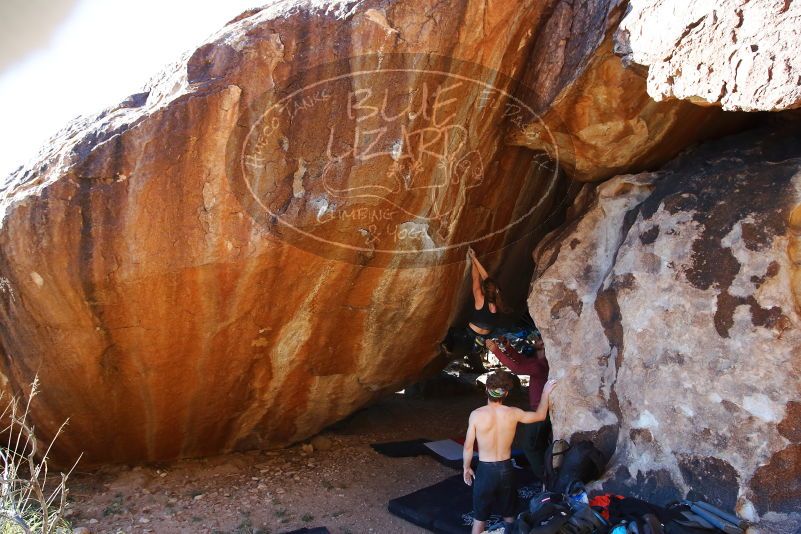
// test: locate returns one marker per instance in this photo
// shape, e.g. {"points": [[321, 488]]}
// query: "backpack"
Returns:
{"points": [[647, 524], [585, 520], [651, 525], [582, 462], [699, 517], [545, 503], [632, 509], [548, 520], [550, 513], [638, 516], [554, 456], [546, 514]]}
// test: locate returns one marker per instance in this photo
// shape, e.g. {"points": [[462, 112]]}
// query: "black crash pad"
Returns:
{"points": [[417, 447], [446, 507], [402, 449]]}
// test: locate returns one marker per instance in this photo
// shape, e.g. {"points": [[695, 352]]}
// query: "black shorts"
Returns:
{"points": [[494, 490]]}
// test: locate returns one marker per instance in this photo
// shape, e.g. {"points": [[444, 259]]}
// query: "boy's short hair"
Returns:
{"points": [[499, 384]]}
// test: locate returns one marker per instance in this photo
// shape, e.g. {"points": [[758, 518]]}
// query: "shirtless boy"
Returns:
{"points": [[494, 427]]}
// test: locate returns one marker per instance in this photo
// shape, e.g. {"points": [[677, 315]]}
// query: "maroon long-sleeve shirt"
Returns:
{"points": [[536, 368]]}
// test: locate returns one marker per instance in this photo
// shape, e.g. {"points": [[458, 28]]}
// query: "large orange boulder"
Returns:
{"points": [[273, 233]]}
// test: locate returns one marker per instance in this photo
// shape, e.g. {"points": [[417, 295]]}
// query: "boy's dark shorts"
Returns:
{"points": [[494, 490]]}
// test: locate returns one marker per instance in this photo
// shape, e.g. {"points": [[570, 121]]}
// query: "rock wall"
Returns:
{"points": [[736, 54], [669, 307], [193, 271], [606, 123], [271, 233], [598, 111]]}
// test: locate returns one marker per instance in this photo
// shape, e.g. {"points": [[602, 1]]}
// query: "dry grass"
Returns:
{"points": [[30, 502]]}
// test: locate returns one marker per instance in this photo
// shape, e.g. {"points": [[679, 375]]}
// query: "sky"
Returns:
{"points": [[64, 58]]}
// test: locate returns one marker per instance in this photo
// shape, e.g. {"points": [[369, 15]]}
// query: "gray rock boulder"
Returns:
{"points": [[736, 54], [670, 310]]}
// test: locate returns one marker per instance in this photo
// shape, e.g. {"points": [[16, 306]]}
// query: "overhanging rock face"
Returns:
{"points": [[596, 109], [272, 234], [670, 309]]}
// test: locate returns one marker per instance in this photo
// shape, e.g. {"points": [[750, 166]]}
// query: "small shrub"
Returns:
{"points": [[115, 507], [29, 502], [245, 526]]}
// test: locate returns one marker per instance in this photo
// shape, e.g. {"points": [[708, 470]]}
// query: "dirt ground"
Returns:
{"points": [[344, 488]]}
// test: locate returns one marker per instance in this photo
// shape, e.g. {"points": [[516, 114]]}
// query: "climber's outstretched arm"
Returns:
{"points": [[477, 264], [475, 272]]}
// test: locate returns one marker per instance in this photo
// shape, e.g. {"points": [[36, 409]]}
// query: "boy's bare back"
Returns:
{"points": [[494, 425], [495, 430]]}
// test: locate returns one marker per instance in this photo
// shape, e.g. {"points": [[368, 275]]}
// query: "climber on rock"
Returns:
{"points": [[493, 426], [487, 304], [486, 298], [535, 435]]}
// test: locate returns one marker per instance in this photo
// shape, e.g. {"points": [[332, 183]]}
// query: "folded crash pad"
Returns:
{"points": [[447, 449], [402, 449], [419, 447], [449, 452]]}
